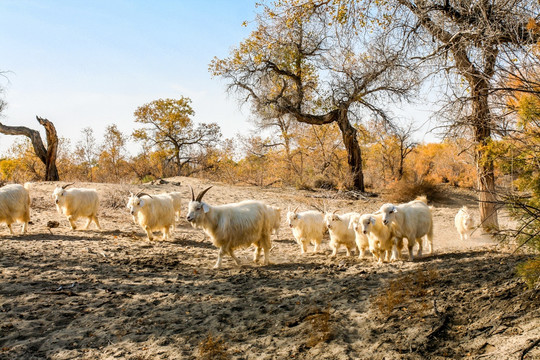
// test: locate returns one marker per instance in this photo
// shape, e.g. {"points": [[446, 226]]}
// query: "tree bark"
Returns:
{"points": [[51, 172], [354, 154], [47, 156], [484, 162]]}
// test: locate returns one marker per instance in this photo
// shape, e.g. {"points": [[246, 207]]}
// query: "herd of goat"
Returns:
{"points": [[246, 223]]}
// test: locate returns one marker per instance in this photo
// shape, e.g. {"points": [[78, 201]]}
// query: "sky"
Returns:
{"points": [[92, 63]]}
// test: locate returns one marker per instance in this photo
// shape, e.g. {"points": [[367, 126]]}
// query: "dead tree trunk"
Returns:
{"points": [[47, 156]]}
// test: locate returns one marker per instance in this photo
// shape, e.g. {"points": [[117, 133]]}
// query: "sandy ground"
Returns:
{"points": [[112, 294]]}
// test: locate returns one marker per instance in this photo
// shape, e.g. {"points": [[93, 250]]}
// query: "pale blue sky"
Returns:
{"points": [[92, 63]]}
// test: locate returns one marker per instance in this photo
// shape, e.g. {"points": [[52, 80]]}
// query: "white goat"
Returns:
{"points": [[177, 203], [464, 223], [176, 198], [153, 213], [275, 219], [380, 237], [232, 226], [362, 241], [412, 220], [307, 227], [340, 233], [75, 203], [15, 206]]}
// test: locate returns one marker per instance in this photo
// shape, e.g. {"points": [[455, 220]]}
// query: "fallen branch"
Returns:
{"points": [[443, 321], [529, 348]]}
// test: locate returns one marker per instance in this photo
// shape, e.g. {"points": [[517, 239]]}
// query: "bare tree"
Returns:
{"points": [[406, 144], [46, 155], [86, 151], [295, 64]]}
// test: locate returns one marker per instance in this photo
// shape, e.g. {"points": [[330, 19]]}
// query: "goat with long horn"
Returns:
{"points": [[233, 226], [66, 185]]}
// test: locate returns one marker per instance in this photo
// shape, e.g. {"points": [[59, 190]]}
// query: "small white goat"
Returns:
{"points": [[233, 226], [275, 218], [307, 227], [464, 223], [412, 220], [380, 237], [340, 233], [75, 203], [15, 206], [153, 213], [362, 241]]}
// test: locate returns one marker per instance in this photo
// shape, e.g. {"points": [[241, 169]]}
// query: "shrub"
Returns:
{"points": [[324, 183], [212, 348], [530, 271], [404, 191], [115, 199]]}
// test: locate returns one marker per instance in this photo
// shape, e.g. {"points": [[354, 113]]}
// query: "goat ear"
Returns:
{"points": [[372, 220], [205, 207], [394, 210], [141, 203]]}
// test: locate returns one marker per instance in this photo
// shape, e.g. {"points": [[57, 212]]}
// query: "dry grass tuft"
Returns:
{"points": [[321, 329], [407, 293], [212, 348]]}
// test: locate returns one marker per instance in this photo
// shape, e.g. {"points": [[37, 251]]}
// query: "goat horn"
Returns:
{"points": [[192, 194], [296, 208], [201, 194], [66, 185], [335, 211], [141, 194]]}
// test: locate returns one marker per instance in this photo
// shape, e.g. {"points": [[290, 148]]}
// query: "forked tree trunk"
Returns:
{"points": [[47, 156], [354, 154], [350, 140]]}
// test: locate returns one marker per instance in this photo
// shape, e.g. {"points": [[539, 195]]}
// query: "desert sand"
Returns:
{"points": [[112, 294]]}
